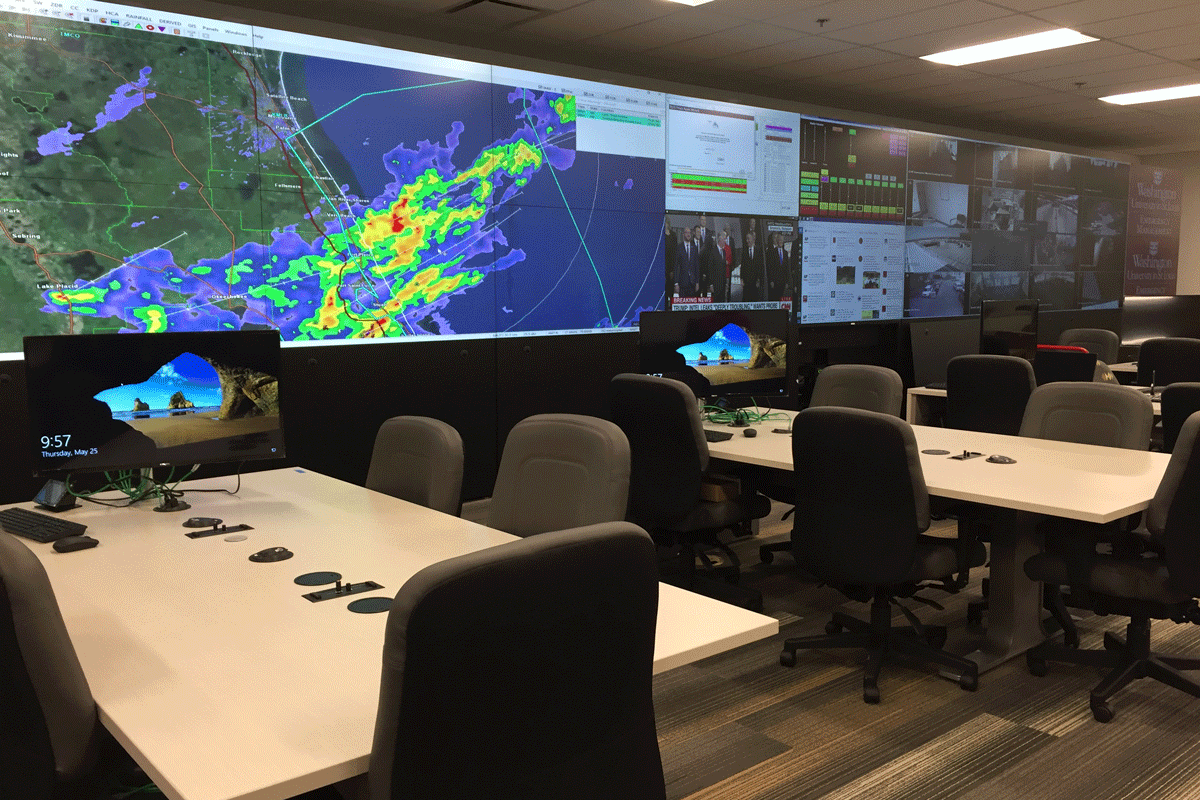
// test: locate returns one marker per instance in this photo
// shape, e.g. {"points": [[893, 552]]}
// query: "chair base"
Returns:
{"points": [[884, 643], [1128, 659]]}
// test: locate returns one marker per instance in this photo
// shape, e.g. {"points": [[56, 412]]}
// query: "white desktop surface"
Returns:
{"points": [[1063, 479], [222, 681], [917, 397]]}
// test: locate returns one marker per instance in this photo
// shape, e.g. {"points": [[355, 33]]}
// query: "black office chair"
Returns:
{"points": [[1085, 413], [524, 670], [988, 393], [861, 510], [1179, 401], [669, 467], [418, 459], [1168, 360], [1104, 343], [864, 386], [560, 471], [1163, 585], [52, 745]]}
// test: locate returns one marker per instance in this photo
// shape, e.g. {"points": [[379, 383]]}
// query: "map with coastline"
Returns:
{"points": [[156, 182]]}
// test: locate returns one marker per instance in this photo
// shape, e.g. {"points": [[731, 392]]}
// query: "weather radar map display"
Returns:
{"points": [[168, 173]]}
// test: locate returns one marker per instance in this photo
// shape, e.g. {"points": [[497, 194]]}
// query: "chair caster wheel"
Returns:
{"points": [[1102, 712], [787, 659], [871, 694], [1035, 665], [765, 555], [832, 628], [968, 682]]}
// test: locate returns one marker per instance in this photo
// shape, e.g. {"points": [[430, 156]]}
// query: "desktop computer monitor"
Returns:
{"points": [[1008, 328], [103, 402], [737, 355]]}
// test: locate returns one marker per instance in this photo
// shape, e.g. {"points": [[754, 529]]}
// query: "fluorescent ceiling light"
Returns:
{"points": [[1154, 95], [1017, 46], [691, 2]]}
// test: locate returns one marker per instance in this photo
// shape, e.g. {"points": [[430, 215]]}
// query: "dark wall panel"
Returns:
{"points": [[559, 374]]}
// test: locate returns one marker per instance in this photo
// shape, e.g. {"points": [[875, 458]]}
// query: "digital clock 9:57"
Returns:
{"points": [[58, 440]]}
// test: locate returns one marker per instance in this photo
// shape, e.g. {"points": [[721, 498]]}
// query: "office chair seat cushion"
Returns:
{"points": [[714, 516], [935, 558], [1135, 578]]}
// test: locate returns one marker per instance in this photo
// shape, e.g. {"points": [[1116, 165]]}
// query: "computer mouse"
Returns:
{"points": [[69, 544], [272, 554], [201, 522], [750, 432], [1001, 460]]}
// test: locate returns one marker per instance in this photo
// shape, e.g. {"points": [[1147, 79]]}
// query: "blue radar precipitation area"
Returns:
{"points": [[437, 206]]}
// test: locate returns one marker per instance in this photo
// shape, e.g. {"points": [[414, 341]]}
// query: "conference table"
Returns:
{"points": [[1060, 479], [222, 681]]}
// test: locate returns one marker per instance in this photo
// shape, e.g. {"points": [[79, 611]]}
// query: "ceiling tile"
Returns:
{"points": [[843, 13], [797, 48], [724, 44], [956, 15], [1160, 20], [593, 18], [1180, 35], [842, 61], [1053, 59], [1088, 12], [675, 27]]}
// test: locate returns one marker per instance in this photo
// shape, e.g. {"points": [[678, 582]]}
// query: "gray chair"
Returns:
{"points": [[1161, 586], [1103, 343], [1089, 413], [524, 670], [669, 468], [51, 739], [859, 525], [864, 386], [560, 471], [1085, 413], [1168, 360], [1179, 401], [988, 393], [418, 459]]}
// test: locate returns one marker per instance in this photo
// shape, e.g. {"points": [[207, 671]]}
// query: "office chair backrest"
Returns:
{"points": [[560, 471], [1179, 401], [50, 731], [1173, 517], [1089, 413], [1104, 343], [862, 499], [1168, 360], [988, 393], [862, 386], [418, 459], [524, 670], [666, 439]]}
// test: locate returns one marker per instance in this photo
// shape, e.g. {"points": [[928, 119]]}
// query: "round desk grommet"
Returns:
{"points": [[318, 578], [935, 452], [370, 605], [237, 537]]}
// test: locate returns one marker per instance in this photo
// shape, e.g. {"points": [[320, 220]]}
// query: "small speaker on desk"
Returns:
{"points": [[55, 497]]}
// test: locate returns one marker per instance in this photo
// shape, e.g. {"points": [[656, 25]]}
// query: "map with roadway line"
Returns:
{"points": [[152, 183]]}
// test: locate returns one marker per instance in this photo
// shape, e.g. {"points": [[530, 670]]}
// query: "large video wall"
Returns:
{"points": [[165, 172]]}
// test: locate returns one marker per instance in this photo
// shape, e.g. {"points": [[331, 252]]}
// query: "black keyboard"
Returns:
{"points": [[717, 436], [38, 527]]}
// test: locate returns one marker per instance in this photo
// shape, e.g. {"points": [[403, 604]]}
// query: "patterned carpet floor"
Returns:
{"points": [[738, 726]]}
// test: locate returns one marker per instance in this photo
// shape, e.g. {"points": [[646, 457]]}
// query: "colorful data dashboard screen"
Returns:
{"points": [[902, 223], [731, 159], [175, 173]]}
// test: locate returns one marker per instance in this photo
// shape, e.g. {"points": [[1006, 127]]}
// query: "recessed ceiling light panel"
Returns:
{"points": [[691, 2], [1006, 48], [1154, 95]]}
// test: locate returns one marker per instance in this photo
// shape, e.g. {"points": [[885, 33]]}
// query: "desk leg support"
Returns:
{"points": [[1014, 622]]}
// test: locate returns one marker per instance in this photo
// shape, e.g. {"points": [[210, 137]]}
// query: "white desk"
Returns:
{"points": [[1076, 481], [222, 681], [922, 404]]}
